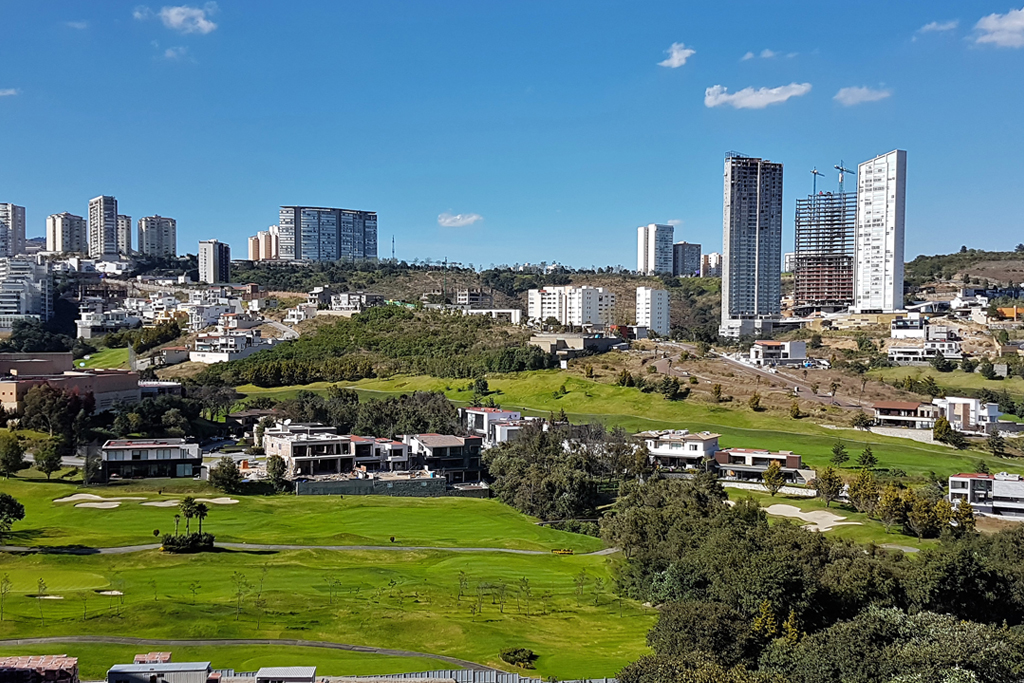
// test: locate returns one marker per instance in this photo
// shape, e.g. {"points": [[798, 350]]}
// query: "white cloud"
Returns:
{"points": [[458, 220], [8, 92], [182, 18], [80, 25], [768, 54], [939, 26], [675, 222], [677, 55], [175, 53], [749, 55], [859, 95], [748, 98], [1002, 30], [141, 13]]}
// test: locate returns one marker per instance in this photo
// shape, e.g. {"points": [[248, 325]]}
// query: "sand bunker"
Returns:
{"points": [[110, 592], [88, 496], [100, 506], [50, 597], [217, 501], [818, 520], [163, 504]]}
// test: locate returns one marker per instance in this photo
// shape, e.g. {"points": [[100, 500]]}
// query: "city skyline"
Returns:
{"points": [[464, 145]]}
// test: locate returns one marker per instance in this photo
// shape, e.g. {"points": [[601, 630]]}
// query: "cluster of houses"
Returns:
{"points": [[968, 415]]}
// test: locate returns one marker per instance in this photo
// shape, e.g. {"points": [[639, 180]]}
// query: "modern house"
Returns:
{"points": [[906, 414], [750, 464], [771, 353], [680, 448], [314, 449], [131, 458], [228, 344], [456, 457], [968, 414], [922, 353], [993, 494]]}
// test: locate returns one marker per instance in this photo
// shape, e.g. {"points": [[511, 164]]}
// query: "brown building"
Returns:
{"points": [[36, 363], [107, 387]]}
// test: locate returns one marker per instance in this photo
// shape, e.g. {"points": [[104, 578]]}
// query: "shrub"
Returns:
{"points": [[518, 656], [187, 543]]}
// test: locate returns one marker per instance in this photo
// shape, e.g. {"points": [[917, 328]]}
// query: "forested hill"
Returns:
{"points": [[1001, 266]]}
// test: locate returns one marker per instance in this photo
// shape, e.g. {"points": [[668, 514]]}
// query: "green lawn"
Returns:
{"points": [[95, 658], [387, 599], [105, 358], [635, 411], [951, 381], [281, 519]]}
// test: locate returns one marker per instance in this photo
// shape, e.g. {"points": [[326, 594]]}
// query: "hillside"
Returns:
{"points": [[996, 266]]}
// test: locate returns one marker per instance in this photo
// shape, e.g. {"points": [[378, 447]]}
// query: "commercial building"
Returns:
{"points": [[654, 249], [108, 387], [132, 458], [214, 261], [12, 229], [685, 259], [103, 228], [39, 669], [824, 252], [711, 265], [572, 305], [989, 494], [265, 245], [158, 236], [67, 233], [752, 245], [878, 241], [26, 291], [772, 353], [652, 310], [309, 233], [680, 448], [124, 235]]}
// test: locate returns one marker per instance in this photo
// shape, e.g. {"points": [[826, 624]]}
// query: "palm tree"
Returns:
{"points": [[187, 506], [200, 512]]}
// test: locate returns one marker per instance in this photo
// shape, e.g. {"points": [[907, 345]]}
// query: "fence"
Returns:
{"points": [[422, 488]]}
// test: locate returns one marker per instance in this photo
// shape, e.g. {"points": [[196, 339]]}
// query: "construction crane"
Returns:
{"points": [[814, 174], [842, 174]]}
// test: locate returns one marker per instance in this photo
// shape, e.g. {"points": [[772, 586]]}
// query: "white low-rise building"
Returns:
{"points": [[765, 352], [572, 305], [968, 414], [990, 494], [314, 450], [680, 448], [224, 345], [301, 312], [652, 310]]}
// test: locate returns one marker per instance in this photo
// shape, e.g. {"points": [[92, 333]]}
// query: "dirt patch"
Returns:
{"points": [[818, 520], [990, 525]]}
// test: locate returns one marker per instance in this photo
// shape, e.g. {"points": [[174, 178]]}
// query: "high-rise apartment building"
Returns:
{"points": [[103, 228], [823, 256], [654, 249], [878, 242], [711, 265], [572, 305], [26, 291], [752, 245], [685, 259], [652, 310], [214, 261], [12, 229], [158, 236], [265, 245], [67, 233], [124, 235], [309, 233]]}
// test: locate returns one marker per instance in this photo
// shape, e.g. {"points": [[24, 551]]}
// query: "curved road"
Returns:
{"points": [[121, 550], [119, 640]]}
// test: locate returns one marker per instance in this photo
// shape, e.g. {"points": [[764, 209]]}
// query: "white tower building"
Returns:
{"points": [[12, 229], [103, 228], [67, 233], [652, 310], [878, 242], [654, 249], [158, 236]]}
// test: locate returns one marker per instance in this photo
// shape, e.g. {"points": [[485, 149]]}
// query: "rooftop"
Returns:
{"points": [[286, 671], [973, 475], [162, 667], [439, 440], [142, 443], [896, 405], [40, 662], [755, 451]]}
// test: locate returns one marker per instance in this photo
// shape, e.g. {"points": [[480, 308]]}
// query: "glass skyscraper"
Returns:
{"points": [[323, 234]]}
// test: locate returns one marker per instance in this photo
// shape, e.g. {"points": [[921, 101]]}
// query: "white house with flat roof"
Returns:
{"points": [[679, 448], [992, 494]]}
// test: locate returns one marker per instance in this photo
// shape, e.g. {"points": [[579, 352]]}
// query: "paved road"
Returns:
{"points": [[286, 332], [121, 550], [152, 642]]}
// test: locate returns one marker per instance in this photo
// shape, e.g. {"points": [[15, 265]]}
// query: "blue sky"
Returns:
{"points": [[494, 132]]}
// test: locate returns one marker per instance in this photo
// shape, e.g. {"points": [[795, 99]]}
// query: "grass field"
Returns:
{"points": [[954, 380], [634, 410], [105, 358], [386, 599], [94, 658], [281, 519]]}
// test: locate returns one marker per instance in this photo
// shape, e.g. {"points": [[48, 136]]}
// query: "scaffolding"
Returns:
{"points": [[824, 251]]}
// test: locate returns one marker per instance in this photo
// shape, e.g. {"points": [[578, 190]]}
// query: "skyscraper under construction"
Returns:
{"points": [[824, 251]]}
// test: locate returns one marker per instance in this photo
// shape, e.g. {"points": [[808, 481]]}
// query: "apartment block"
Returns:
{"points": [[12, 230], [214, 261], [572, 305], [26, 291], [67, 233], [309, 233], [752, 245], [879, 237], [124, 235], [158, 236], [103, 228], [654, 249], [824, 255], [685, 259], [265, 245], [652, 310], [711, 265]]}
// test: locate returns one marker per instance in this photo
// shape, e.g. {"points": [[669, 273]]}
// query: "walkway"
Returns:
{"points": [[155, 642], [121, 550], [286, 332]]}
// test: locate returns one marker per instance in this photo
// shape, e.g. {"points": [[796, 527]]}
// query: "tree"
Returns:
{"points": [[755, 403], [864, 492], [193, 588], [996, 444], [963, 518], [187, 507], [815, 342], [794, 410], [47, 457], [200, 512], [53, 410], [12, 455], [891, 507], [862, 420], [828, 484], [11, 511], [225, 476], [276, 470], [773, 477], [920, 516], [833, 387], [942, 429], [242, 587], [716, 392], [581, 585], [867, 458], [765, 624], [839, 454], [705, 629], [986, 369]]}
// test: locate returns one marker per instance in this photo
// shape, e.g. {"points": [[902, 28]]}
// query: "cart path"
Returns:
{"points": [[121, 550], [157, 642]]}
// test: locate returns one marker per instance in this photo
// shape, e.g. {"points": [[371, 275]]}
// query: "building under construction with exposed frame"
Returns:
{"points": [[824, 252]]}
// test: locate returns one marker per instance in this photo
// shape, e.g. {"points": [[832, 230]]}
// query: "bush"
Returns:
{"points": [[187, 543], [518, 656]]}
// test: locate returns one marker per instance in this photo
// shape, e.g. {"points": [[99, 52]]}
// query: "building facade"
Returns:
{"points": [[130, 458], [823, 260], [309, 233], [680, 448], [752, 245], [654, 249], [878, 241], [158, 236], [26, 291], [652, 310], [572, 305], [265, 245], [124, 235], [12, 229], [685, 259], [103, 228], [711, 265], [67, 233], [214, 261]]}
